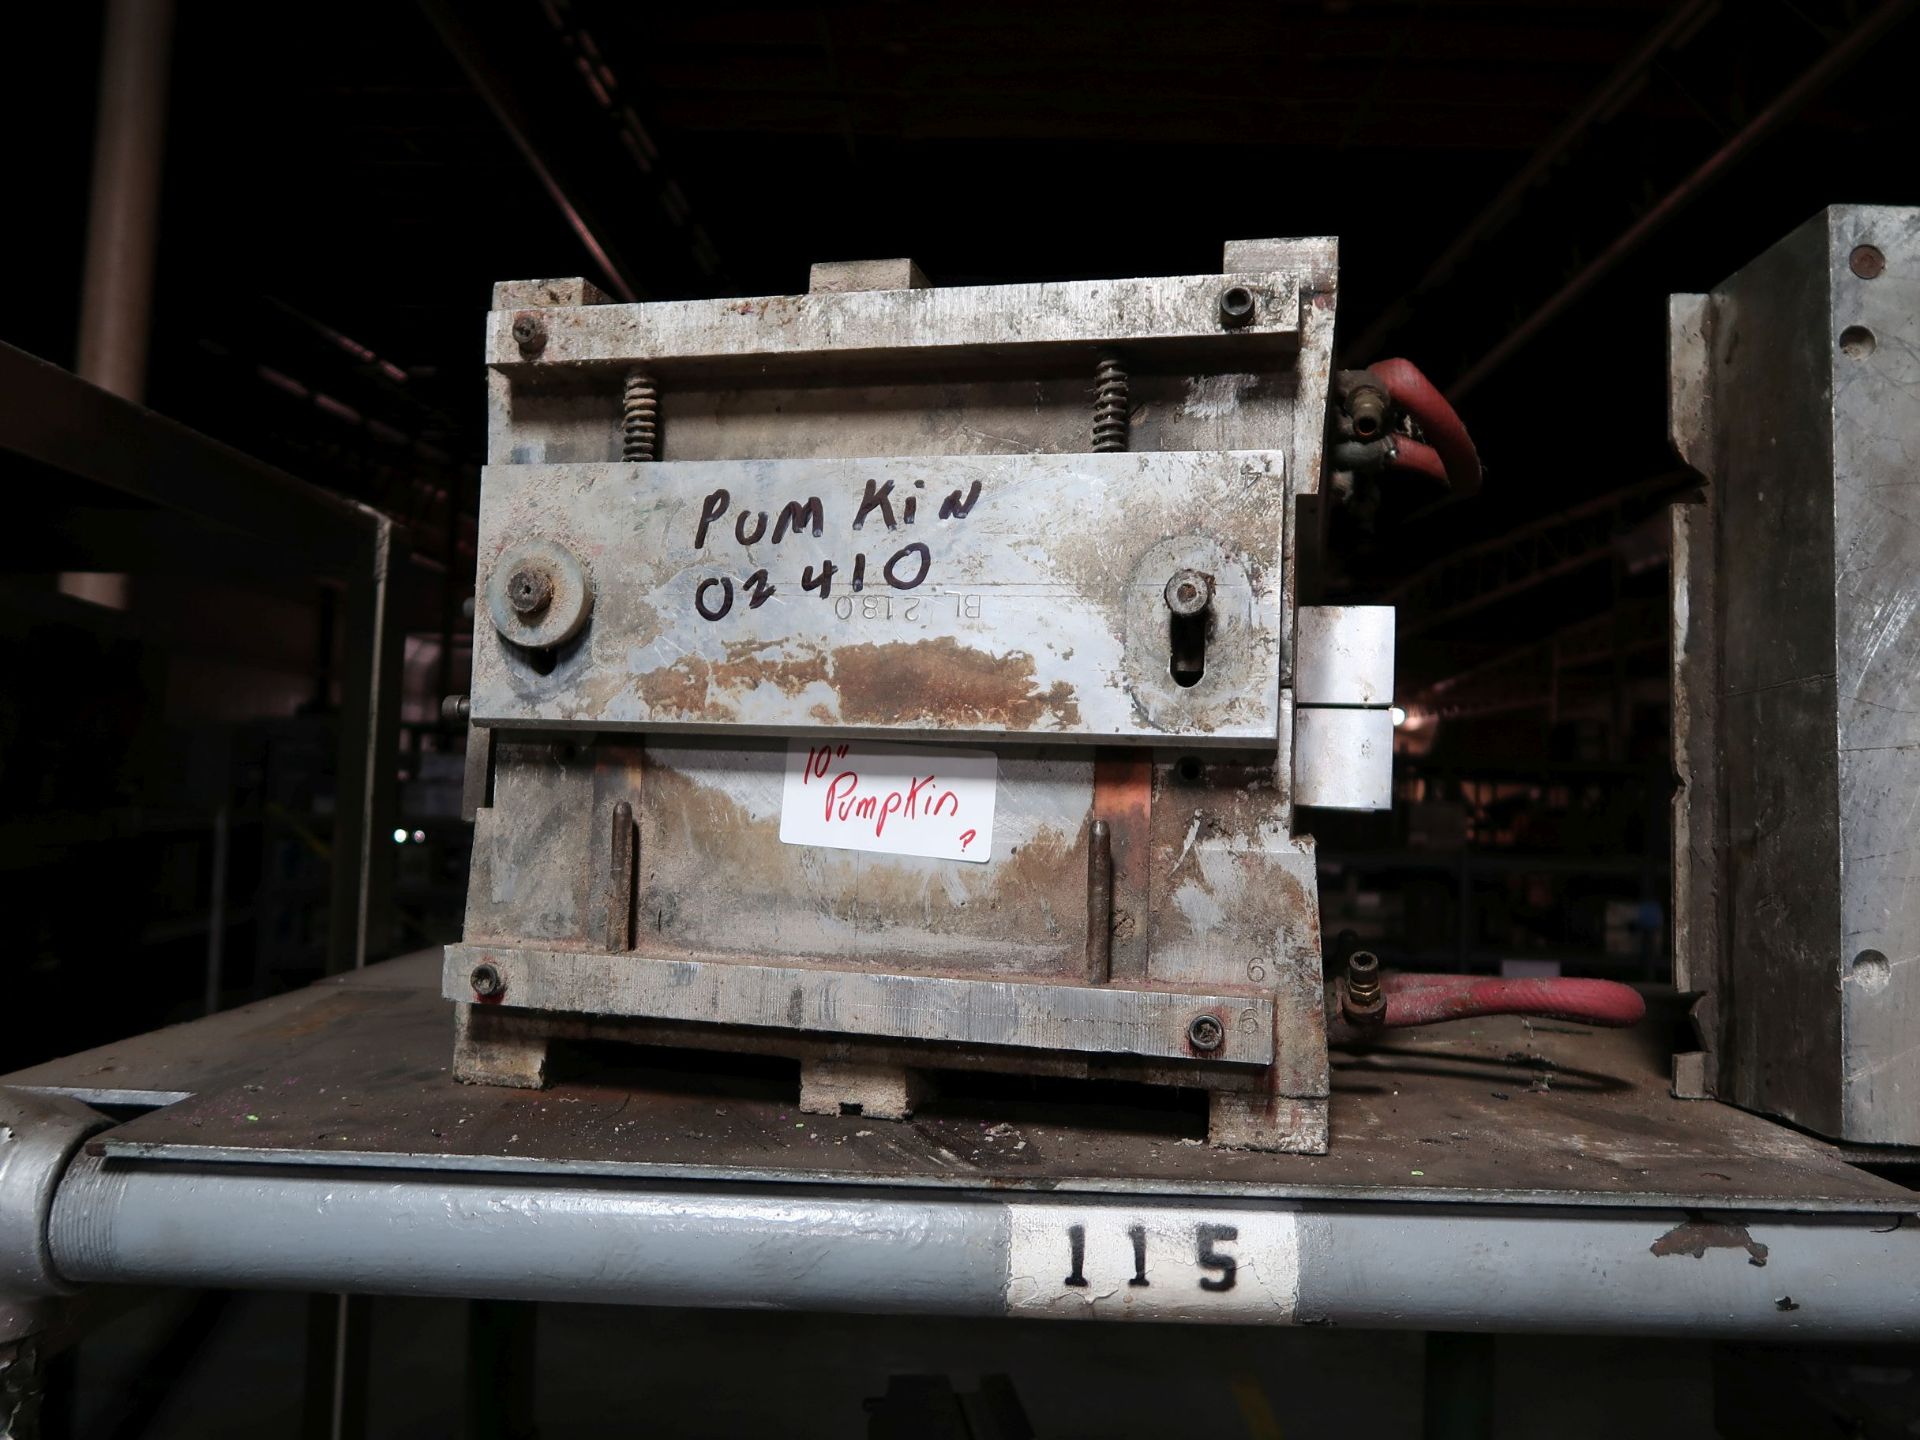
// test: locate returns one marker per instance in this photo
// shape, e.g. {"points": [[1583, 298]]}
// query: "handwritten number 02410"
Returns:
{"points": [[1206, 1256], [905, 570]]}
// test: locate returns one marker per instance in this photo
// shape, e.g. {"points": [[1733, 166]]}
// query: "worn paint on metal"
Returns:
{"points": [[905, 327], [1022, 1014], [996, 595], [1697, 1237]]}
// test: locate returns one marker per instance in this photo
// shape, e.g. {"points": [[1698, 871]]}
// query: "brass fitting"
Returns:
{"points": [[1364, 1002]]}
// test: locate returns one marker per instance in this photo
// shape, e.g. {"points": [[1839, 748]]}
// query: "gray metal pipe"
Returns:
{"points": [[381, 1232], [116, 296], [1613, 1272], [1426, 1267]]}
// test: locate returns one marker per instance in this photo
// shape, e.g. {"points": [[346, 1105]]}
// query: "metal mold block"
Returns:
{"points": [[1055, 521], [1795, 388]]}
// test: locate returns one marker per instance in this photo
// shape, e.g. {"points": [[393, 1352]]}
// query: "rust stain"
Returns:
{"points": [[1123, 797], [1696, 1237], [335, 1007], [1024, 913], [693, 686], [936, 682], [944, 682]]}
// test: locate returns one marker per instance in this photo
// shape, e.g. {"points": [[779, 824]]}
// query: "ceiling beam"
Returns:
{"points": [[553, 156], [1613, 92], [1838, 56]]}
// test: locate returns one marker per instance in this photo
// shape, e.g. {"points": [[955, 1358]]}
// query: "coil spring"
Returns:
{"points": [[1110, 405], [640, 418]]}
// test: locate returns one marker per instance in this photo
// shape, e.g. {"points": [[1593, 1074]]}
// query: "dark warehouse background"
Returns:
{"points": [[1516, 189]]}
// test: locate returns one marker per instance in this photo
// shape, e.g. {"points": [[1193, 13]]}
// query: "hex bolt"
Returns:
{"points": [[529, 590], [1205, 1033], [1236, 306], [530, 334], [486, 981], [1189, 593]]}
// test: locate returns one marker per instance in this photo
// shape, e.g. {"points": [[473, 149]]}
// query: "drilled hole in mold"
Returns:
{"points": [[1872, 971]]}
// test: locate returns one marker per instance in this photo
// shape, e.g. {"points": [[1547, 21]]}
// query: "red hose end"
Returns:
{"points": [[1421, 399], [1418, 459]]}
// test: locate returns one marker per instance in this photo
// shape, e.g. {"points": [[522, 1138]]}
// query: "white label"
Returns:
{"points": [[893, 799], [1237, 1265]]}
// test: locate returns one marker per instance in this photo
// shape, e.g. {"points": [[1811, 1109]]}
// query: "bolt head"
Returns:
{"points": [[1237, 306], [486, 981], [1869, 262], [529, 590], [1205, 1033], [530, 334], [1189, 592]]}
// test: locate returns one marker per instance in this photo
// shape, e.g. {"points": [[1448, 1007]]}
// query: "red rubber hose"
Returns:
{"points": [[1416, 395], [1420, 459], [1426, 999]]}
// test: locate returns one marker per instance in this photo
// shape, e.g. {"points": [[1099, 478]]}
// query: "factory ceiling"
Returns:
{"points": [[1516, 187]]}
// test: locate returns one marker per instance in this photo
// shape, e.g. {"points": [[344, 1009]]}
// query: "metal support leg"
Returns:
{"points": [[1459, 1387], [501, 1338], [369, 732], [338, 1354]]}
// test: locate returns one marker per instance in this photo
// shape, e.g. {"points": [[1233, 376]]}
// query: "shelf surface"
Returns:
{"points": [[353, 1072]]}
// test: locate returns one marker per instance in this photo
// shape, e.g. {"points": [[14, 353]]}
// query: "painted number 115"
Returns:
{"points": [[1206, 1240]]}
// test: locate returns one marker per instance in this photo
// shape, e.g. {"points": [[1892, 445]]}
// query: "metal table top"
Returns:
{"points": [[1489, 1175], [353, 1072]]}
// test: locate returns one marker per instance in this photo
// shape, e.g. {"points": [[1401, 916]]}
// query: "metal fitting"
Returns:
{"points": [[538, 594], [39, 1135], [1364, 1003], [1189, 593], [1367, 408], [456, 709], [1206, 1034], [529, 591], [486, 981], [530, 334], [1236, 306]]}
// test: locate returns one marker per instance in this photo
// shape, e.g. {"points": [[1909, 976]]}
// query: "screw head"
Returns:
{"points": [[529, 589], [486, 981], [1236, 306], [1189, 592], [530, 334], [1205, 1033]]}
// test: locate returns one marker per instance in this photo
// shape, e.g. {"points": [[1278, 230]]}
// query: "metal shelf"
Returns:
{"points": [[1487, 1175]]}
